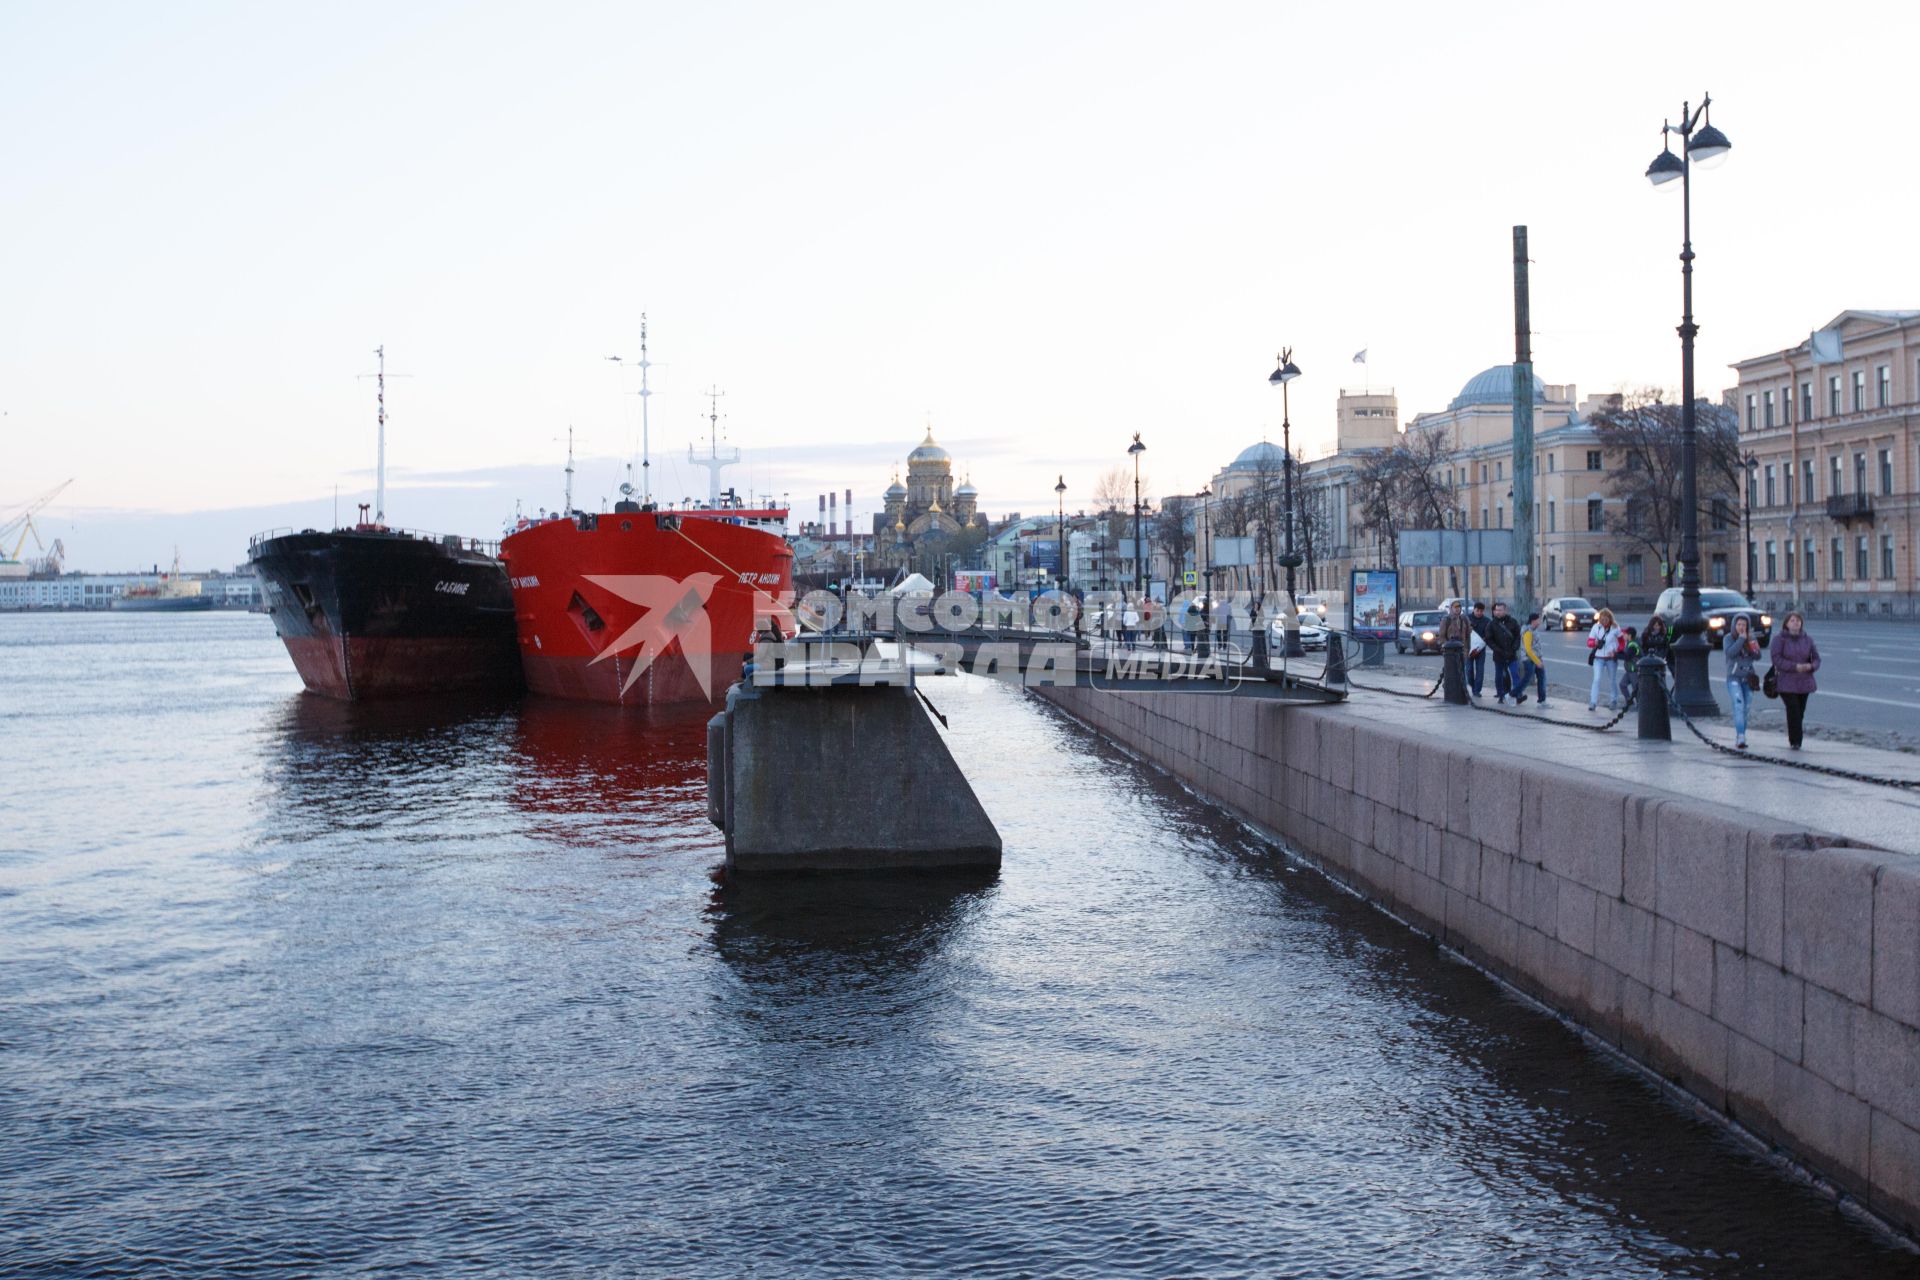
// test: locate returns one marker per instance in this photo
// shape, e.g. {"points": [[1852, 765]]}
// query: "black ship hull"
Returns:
{"points": [[371, 613]]}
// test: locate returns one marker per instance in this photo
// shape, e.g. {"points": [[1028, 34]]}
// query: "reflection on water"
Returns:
{"points": [[291, 985]]}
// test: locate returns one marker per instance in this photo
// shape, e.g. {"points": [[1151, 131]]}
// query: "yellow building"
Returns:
{"points": [[1828, 428]]}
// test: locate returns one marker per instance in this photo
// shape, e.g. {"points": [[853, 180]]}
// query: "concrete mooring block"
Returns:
{"points": [[840, 777]]}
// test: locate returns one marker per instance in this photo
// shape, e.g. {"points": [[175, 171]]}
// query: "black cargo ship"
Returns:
{"points": [[372, 612]]}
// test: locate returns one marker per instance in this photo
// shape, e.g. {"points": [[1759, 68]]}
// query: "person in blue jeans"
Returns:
{"points": [[1477, 658], [1741, 650]]}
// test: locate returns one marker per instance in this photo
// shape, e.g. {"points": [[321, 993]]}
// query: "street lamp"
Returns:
{"points": [[1751, 464], [1699, 141], [1280, 377], [1060, 493], [1206, 544], [1139, 561]]}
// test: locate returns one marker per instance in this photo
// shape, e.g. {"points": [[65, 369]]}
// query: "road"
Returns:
{"points": [[1869, 680]]}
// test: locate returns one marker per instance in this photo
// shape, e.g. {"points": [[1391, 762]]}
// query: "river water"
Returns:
{"points": [[295, 988]]}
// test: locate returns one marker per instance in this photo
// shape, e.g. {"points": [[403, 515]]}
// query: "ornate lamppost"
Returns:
{"points": [[1280, 377], [1060, 529], [1139, 560], [1699, 141]]}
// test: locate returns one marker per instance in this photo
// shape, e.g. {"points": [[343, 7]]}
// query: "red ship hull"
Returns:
{"points": [[642, 607]]}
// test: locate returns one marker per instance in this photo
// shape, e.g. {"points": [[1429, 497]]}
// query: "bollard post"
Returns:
{"points": [[1336, 672], [1453, 672], [1373, 653], [1655, 724]]}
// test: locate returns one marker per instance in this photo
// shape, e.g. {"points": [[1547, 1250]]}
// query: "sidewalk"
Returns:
{"points": [[1863, 813]]}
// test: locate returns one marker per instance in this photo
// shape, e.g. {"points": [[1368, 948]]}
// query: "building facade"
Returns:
{"points": [[1828, 433]]}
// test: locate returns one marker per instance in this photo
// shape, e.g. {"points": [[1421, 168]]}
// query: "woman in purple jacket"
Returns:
{"points": [[1795, 659]]}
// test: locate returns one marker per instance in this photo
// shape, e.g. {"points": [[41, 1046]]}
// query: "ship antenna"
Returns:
{"points": [[569, 493]]}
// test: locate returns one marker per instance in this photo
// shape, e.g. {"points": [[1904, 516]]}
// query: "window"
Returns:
{"points": [[1553, 522], [1596, 569], [1500, 469], [1806, 561], [1786, 483], [1719, 574], [1721, 516], [1596, 515], [1770, 484], [1550, 464], [1753, 488], [1553, 570], [1884, 377], [1886, 555], [1483, 473], [1886, 473], [1834, 487], [1806, 401], [1499, 517], [1789, 548], [1806, 479], [1860, 557], [1593, 460], [1483, 519], [1772, 561], [1837, 560], [1859, 390], [1636, 570], [1860, 473], [1833, 395], [1752, 412], [1766, 408]]}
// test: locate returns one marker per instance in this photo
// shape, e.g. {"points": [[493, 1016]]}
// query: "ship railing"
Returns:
{"points": [[484, 546]]}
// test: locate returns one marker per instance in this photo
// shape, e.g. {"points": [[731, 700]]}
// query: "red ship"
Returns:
{"points": [[638, 606]]}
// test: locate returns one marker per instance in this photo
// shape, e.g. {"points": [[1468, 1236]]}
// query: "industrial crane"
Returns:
{"points": [[21, 522]]}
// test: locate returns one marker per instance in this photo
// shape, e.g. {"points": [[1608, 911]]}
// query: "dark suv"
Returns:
{"points": [[1718, 605]]}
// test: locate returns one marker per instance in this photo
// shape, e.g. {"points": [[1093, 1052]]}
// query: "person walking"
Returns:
{"points": [[1503, 637], [1795, 659], [1629, 663], [1603, 653], [1477, 653], [1741, 649], [1531, 659]]}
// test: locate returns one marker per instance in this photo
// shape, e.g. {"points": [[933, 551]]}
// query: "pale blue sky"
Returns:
{"points": [[1047, 225]]}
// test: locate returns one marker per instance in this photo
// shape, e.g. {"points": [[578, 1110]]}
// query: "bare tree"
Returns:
{"points": [[1644, 435], [1113, 491], [1405, 487]]}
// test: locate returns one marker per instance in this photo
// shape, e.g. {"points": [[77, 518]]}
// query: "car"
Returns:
{"points": [[1313, 605], [1420, 631], [1313, 634], [1719, 605], [1568, 613]]}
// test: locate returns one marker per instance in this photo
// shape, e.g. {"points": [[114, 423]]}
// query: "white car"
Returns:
{"points": [[1313, 604], [1313, 634]]}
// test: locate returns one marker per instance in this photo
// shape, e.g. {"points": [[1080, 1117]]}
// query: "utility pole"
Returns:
{"points": [[1524, 600]]}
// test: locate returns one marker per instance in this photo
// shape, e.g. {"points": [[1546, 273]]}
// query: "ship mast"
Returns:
{"points": [[380, 467], [567, 508], [713, 462], [646, 460]]}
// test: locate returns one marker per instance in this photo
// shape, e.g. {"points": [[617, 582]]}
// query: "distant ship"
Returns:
{"points": [[375, 612], [172, 594]]}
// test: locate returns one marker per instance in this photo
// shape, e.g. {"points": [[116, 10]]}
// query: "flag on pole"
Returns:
{"points": [[1360, 356]]}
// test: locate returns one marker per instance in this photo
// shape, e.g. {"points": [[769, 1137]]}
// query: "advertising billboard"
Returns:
{"points": [[1373, 603]]}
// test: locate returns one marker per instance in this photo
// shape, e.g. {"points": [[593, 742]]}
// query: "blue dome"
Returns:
{"points": [[1255, 456], [1494, 386]]}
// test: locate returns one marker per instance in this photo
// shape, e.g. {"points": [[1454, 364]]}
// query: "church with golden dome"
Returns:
{"points": [[928, 503]]}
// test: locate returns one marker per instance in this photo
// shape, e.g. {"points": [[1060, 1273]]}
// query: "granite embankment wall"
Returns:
{"points": [[1771, 971]]}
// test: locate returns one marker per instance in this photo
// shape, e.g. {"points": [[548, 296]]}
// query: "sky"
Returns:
{"points": [[1037, 227]]}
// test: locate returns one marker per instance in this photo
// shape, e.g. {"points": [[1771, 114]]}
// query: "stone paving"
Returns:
{"points": [[1863, 813]]}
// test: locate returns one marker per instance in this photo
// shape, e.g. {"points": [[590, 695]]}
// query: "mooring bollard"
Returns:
{"points": [[1373, 653], [1655, 723], [1453, 672], [1336, 672]]}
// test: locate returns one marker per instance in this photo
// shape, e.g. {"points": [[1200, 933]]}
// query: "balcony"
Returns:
{"points": [[1850, 506]]}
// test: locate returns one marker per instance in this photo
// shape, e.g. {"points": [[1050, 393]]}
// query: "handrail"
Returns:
{"points": [[482, 546]]}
